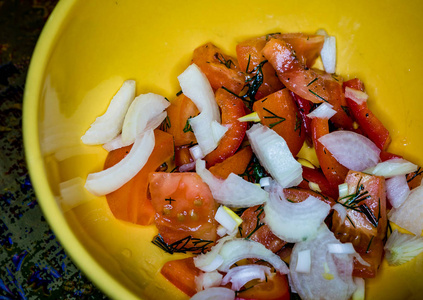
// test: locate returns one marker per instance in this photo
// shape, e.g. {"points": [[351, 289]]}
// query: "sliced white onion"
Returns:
{"points": [[293, 222], [225, 219], [274, 155], [207, 280], [323, 111], [346, 248], [330, 275], [146, 112], [221, 231], [218, 130], [341, 210], [352, 150], [303, 261], [109, 180], [410, 214], [106, 127], [360, 292], [241, 275], [392, 167], [328, 52], [211, 260], [196, 152], [343, 189], [357, 96], [237, 249], [73, 193], [196, 86], [116, 143], [264, 181], [234, 191], [214, 293], [397, 190], [401, 248]]}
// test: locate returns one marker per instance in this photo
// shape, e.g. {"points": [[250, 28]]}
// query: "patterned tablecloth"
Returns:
{"points": [[33, 264]]}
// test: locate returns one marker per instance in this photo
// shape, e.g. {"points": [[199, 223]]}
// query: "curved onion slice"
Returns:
{"points": [[293, 222], [211, 260], [357, 96], [341, 210], [207, 280], [109, 180], [397, 190], [240, 275], [330, 275], [352, 150], [392, 167], [401, 248], [146, 112], [328, 52], [206, 126], [116, 143], [410, 214], [106, 127], [274, 155], [323, 111], [214, 293], [237, 249], [234, 191]]}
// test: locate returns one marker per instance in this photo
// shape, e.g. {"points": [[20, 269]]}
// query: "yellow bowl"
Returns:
{"points": [[88, 48]]}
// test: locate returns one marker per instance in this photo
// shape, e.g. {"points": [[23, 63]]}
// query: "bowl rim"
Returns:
{"points": [[35, 162]]}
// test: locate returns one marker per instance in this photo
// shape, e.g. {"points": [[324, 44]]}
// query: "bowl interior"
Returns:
{"points": [[89, 48]]}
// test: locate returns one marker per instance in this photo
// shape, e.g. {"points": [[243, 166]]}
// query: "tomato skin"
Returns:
{"points": [[249, 55], [371, 126], [304, 108], [414, 179], [232, 108], [316, 175], [220, 69], [333, 170], [184, 206], [307, 83], [179, 111], [357, 228], [236, 164], [181, 273], [275, 288], [130, 202], [279, 112], [384, 155]]}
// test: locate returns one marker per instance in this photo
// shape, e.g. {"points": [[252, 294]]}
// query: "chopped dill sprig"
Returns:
{"points": [[298, 122], [199, 245], [165, 124], [418, 172], [259, 224], [223, 60], [311, 82], [254, 171], [187, 127], [273, 116], [317, 95], [178, 93], [368, 246]]}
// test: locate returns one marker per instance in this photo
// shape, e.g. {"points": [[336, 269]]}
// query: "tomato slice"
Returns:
{"points": [[279, 112], [316, 176], [178, 113], [366, 221], [369, 123], [276, 287], [304, 108], [185, 210], [253, 227], [307, 46], [181, 273], [295, 194], [414, 179], [250, 57], [333, 170], [232, 109], [305, 82], [130, 202], [220, 69], [236, 164]]}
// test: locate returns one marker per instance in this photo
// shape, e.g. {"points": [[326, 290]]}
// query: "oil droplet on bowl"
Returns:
{"points": [[127, 253]]}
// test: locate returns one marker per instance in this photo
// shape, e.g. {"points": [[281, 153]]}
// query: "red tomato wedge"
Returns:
{"points": [[316, 176], [366, 222], [250, 57], [221, 70], [279, 112], [333, 170], [307, 83], [236, 164], [304, 108], [130, 202], [232, 109], [181, 273], [276, 287], [369, 123], [185, 210], [178, 113]]}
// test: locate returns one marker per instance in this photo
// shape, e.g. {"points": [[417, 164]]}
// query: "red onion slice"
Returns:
{"points": [[397, 190], [352, 150]]}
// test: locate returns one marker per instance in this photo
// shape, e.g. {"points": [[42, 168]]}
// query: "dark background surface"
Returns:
{"points": [[33, 264]]}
